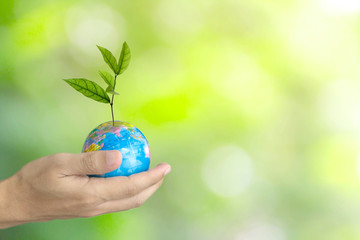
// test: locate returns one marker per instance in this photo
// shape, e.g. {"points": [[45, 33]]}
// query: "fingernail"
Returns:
{"points": [[111, 158], [167, 171]]}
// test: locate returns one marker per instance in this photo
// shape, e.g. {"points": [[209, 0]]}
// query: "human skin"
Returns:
{"points": [[58, 187]]}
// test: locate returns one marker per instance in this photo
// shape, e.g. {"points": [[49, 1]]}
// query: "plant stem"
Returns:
{"points": [[112, 101]]}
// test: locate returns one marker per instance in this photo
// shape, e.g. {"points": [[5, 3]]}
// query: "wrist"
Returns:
{"points": [[11, 213]]}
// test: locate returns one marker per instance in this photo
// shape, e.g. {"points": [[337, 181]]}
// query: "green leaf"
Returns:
{"points": [[124, 59], [89, 89], [109, 58], [108, 78], [109, 89]]}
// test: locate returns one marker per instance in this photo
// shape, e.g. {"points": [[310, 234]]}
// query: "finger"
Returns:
{"points": [[132, 202], [115, 188], [94, 162]]}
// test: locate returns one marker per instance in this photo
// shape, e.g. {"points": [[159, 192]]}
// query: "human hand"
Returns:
{"points": [[58, 187]]}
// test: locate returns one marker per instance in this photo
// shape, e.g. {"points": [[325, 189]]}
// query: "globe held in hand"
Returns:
{"points": [[123, 137]]}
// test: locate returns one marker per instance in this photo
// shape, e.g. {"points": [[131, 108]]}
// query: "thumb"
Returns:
{"points": [[95, 162]]}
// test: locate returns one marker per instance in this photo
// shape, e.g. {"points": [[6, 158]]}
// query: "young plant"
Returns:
{"points": [[92, 90]]}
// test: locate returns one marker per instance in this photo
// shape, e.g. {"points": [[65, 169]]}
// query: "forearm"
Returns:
{"points": [[10, 210]]}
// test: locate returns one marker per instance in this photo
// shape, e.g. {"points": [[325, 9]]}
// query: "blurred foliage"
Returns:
{"points": [[269, 89]]}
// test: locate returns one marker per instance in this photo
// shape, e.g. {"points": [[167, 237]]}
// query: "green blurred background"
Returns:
{"points": [[255, 104]]}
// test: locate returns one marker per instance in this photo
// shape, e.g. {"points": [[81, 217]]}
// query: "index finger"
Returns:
{"points": [[114, 188]]}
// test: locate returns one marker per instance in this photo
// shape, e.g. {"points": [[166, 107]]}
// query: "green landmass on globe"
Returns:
{"points": [[114, 135]]}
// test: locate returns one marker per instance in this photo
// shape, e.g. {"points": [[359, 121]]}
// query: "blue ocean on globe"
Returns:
{"points": [[124, 137]]}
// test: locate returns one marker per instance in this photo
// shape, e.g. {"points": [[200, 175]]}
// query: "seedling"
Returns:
{"points": [[92, 90]]}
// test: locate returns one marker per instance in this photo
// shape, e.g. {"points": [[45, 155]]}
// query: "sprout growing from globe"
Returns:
{"points": [[114, 135]]}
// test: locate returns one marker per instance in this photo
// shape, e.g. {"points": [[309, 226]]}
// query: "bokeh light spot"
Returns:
{"points": [[339, 106], [89, 25], [341, 6], [175, 20], [227, 171], [262, 231]]}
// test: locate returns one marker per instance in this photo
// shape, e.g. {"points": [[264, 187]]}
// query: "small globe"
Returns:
{"points": [[123, 137]]}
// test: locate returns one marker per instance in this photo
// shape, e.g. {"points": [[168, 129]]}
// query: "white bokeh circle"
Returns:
{"points": [[227, 171]]}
